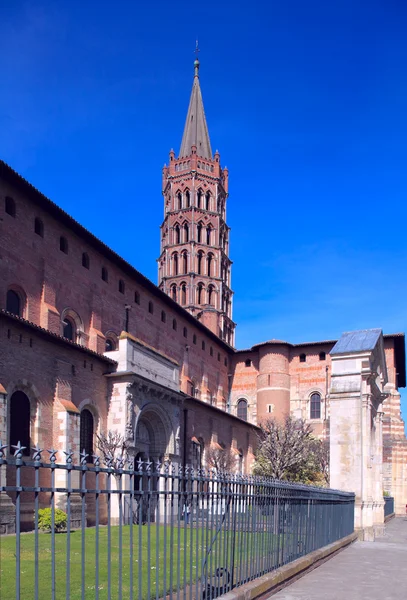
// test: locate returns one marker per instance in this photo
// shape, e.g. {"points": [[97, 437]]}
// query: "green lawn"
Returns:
{"points": [[183, 549]]}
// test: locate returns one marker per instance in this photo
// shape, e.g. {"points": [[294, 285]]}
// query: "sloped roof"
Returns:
{"points": [[357, 341], [196, 130]]}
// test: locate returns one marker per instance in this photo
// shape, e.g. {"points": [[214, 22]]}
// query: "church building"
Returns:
{"points": [[89, 344]]}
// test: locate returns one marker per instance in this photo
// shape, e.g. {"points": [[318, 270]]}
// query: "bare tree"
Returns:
{"points": [[113, 447], [283, 448], [320, 448], [220, 459]]}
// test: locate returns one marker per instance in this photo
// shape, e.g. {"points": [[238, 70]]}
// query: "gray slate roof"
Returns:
{"points": [[196, 130], [357, 341]]}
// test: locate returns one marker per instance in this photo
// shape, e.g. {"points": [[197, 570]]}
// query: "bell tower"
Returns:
{"points": [[194, 267]]}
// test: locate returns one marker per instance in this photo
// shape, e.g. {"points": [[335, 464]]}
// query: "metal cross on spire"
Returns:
{"points": [[196, 62]]}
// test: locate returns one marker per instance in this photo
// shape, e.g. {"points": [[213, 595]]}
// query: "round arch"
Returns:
{"points": [[156, 433]]}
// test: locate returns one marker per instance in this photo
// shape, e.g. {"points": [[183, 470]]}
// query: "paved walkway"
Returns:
{"points": [[364, 571]]}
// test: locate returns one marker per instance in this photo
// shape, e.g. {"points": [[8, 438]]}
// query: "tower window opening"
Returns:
{"points": [[183, 294], [105, 274], [188, 198], [248, 362], [69, 331], [208, 235], [175, 263], [209, 264], [185, 263], [110, 345], [179, 197], [137, 297], [200, 257], [186, 232], [150, 307], [199, 199], [86, 430], [194, 338], [207, 201], [63, 244], [322, 356], [121, 286], [203, 345], [199, 232], [177, 234], [200, 293], [211, 294], [174, 292], [10, 206], [14, 303], [85, 260], [39, 227], [303, 358]]}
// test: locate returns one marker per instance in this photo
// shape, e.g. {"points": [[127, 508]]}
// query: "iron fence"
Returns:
{"points": [[152, 530], [388, 506]]}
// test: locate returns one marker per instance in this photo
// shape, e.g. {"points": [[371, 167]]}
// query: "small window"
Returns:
{"points": [[219, 356], [20, 422], [137, 297], [194, 338], [315, 406], [38, 227], [174, 324], [63, 244], [322, 356], [86, 429], [163, 316], [248, 362], [203, 345], [185, 332], [85, 260], [150, 307], [226, 362], [242, 409], [10, 206], [121, 286], [211, 351], [105, 274], [13, 303], [110, 345], [303, 358]]}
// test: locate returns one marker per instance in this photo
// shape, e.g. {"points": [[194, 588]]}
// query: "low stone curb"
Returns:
{"points": [[392, 516], [274, 581]]}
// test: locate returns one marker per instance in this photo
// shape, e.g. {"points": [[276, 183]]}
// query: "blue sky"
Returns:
{"points": [[306, 102]]}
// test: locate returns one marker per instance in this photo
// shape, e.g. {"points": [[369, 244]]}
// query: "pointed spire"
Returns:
{"points": [[196, 130]]}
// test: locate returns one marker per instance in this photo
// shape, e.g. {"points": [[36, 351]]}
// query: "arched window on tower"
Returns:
{"points": [[20, 418], [199, 232], [174, 292], [200, 258], [208, 235], [14, 303], [209, 264], [186, 232], [86, 434], [69, 331], [200, 293], [183, 294], [242, 409], [315, 406], [211, 295], [207, 201], [188, 198], [179, 198], [177, 232], [175, 263], [185, 263], [199, 199]]}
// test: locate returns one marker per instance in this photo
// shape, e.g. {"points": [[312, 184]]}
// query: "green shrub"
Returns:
{"points": [[45, 523]]}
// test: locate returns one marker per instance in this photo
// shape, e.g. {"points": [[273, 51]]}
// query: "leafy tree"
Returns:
{"points": [[287, 450]]}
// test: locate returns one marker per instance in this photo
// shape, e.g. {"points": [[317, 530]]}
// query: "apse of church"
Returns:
{"points": [[194, 264]]}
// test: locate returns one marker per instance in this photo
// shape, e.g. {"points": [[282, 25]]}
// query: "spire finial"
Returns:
{"points": [[196, 62]]}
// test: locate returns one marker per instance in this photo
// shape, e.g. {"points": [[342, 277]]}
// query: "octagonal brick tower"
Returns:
{"points": [[194, 267]]}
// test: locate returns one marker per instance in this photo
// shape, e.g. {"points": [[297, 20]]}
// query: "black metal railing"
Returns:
{"points": [[157, 531], [388, 506]]}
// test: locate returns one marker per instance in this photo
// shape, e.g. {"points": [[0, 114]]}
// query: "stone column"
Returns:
{"points": [[7, 508], [358, 378]]}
